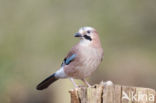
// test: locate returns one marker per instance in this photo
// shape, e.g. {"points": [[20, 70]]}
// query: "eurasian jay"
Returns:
{"points": [[82, 60]]}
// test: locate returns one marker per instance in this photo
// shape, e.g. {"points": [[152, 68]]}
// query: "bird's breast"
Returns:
{"points": [[90, 58]]}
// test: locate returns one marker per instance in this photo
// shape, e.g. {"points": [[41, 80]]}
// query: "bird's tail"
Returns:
{"points": [[45, 83]]}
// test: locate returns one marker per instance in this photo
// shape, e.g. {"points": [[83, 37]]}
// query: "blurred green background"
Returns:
{"points": [[35, 35]]}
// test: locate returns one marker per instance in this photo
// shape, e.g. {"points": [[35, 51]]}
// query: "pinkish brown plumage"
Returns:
{"points": [[82, 60]]}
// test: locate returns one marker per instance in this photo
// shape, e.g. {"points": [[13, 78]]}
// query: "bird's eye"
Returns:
{"points": [[88, 32]]}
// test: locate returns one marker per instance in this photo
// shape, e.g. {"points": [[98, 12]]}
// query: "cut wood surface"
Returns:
{"points": [[107, 92]]}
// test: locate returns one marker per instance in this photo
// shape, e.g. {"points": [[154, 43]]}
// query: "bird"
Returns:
{"points": [[81, 61]]}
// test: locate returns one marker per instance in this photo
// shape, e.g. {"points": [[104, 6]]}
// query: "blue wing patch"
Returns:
{"points": [[68, 60]]}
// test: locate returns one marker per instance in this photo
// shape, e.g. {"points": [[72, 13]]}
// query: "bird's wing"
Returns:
{"points": [[70, 57]]}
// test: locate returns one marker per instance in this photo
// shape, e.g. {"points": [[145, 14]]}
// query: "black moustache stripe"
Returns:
{"points": [[87, 37]]}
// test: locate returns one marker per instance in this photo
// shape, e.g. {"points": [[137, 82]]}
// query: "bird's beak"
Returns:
{"points": [[77, 35]]}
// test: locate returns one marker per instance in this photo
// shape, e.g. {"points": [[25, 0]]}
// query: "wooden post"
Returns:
{"points": [[110, 93]]}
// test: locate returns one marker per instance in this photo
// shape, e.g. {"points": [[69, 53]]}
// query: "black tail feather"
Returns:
{"points": [[45, 84]]}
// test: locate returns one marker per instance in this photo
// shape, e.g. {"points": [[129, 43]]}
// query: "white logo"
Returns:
{"points": [[137, 97]]}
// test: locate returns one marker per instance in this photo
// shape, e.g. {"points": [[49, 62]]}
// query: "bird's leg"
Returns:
{"points": [[85, 82], [72, 80]]}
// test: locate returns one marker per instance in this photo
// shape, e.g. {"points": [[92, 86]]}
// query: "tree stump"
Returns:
{"points": [[107, 92]]}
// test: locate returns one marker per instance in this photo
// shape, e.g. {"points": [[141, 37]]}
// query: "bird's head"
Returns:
{"points": [[86, 33]]}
